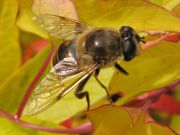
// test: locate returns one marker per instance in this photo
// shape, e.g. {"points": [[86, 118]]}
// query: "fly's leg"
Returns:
{"points": [[102, 85], [118, 67], [79, 94]]}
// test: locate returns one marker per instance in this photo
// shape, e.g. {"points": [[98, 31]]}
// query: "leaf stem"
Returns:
{"points": [[86, 128], [153, 42], [164, 35], [33, 83], [156, 93]]}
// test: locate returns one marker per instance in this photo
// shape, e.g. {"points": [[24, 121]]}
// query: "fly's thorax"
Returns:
{"points": [[102, 45]]}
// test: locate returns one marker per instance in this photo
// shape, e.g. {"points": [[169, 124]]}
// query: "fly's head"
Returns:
{"points": [[130, 42]]}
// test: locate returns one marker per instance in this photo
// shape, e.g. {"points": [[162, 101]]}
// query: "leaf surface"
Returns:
{"points": [[25, 19], [118, 121], [168, 4], [176, 10], [10, 53], [139, 14], [14, 88], [155, 68], [175, 120]]}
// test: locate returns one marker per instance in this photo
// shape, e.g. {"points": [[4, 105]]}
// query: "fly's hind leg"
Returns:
{"points": [[102, 85], [79, 94]]}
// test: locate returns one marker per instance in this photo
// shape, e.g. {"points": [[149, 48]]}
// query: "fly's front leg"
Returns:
{"points": [[118, 67], [79, 94], [102, 85]]}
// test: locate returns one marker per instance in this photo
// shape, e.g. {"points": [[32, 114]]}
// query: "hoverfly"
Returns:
{"points": [[84, 53]]}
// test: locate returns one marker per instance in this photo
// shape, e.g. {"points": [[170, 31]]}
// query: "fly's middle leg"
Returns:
{"points": [[79, 94], [102, 85]]}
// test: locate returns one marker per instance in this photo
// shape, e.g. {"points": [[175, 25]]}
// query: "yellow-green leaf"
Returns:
{"points": [[114, 13], [25, 19], [16, 85], [175, 120], [55, 7], [176, 10], [168, 4], [154, 68], [9, 47], [113, 120]]}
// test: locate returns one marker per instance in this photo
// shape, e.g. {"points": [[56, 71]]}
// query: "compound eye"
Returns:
{"points": [[126, 28], [126, 32], [129, 50]]}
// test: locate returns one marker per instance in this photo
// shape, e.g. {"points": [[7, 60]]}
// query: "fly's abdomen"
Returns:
{"points": [[66, 49]]}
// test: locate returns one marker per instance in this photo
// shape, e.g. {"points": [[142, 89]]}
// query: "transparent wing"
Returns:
{"points": [[62, 78], [61, 27]]}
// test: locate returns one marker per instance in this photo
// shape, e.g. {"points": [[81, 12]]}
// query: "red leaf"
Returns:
{"points": [[174, 37], [35, 47], [67, 123], [167, 104]]}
